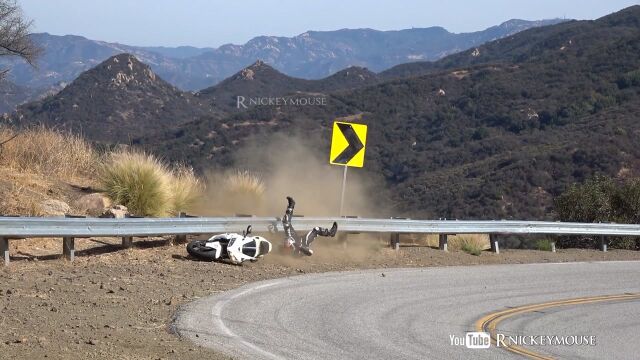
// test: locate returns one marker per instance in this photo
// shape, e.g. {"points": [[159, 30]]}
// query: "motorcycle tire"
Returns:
{"points": [[197, 249]]}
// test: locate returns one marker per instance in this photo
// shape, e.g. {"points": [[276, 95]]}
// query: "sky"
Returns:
{"points": [[211, 23]]}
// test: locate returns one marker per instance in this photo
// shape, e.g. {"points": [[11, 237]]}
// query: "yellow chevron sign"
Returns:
{"points": [[348, 144]]}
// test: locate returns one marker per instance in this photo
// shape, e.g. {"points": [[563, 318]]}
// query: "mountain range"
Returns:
{"points": [[311, 55], [495, 131]]}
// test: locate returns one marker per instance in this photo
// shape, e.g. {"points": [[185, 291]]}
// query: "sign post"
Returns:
{"points": [[344, 185], [348, 145]]}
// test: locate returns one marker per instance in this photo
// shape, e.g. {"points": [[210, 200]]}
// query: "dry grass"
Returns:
{"points": [[229, 193], [186, 188], [19, 199], [470, 241], [38, 164], [455, 242], [47, 152], [244, 182]]}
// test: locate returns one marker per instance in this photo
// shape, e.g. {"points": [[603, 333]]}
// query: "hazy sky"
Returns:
{"points": [[213, 23]]}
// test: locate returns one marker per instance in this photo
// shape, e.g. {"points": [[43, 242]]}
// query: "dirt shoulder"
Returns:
{"points": [[117, 304]]}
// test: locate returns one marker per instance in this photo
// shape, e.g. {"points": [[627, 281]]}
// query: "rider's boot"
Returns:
{"points": [[305, 250], [334, 229], [327, 232]]}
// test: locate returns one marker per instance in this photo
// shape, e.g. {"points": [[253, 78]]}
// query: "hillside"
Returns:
{"points": [[12, 94], [317, 54], [115, 101], [312, 55], [262, 80], [491, 135]]}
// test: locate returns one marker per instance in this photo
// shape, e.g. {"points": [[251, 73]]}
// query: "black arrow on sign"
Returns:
{"points": [[355, 145]]}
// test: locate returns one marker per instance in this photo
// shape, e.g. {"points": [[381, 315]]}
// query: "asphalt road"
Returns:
{"points": [[412, 313]]}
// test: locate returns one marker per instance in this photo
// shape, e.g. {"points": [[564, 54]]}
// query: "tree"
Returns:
{"points": [[14, 34]]}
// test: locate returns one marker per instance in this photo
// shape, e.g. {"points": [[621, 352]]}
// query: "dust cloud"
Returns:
{"points": [[290, 166]]}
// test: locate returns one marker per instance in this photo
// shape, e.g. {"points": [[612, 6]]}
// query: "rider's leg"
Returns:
{"points": [[313, 234], [290, 233], [319, 231]]}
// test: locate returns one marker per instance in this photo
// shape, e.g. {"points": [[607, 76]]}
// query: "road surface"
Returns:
{"points": [[413, 313]]}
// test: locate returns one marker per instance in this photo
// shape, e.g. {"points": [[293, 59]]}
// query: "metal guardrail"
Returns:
{"points": [[30, 227], [71, 228]]}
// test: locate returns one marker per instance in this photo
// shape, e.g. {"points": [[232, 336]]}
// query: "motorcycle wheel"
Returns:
{"points": [[198, 249]]}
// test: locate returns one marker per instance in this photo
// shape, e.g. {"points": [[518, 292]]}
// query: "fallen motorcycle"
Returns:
{"points": [[230, 247]]}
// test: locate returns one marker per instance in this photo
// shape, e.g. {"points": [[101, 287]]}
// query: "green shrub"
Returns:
{"points": [[626, 243], [588, 202], [471, 248], [600, 199], [544, 245]]}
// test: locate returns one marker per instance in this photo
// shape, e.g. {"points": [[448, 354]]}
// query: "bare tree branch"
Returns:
{"points": [[14, 34]]}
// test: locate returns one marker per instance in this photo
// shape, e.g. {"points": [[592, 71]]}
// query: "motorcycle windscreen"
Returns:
{"points": [[249, 248]]}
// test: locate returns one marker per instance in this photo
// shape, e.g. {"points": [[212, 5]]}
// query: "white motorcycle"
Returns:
{"points": [[232, 247]]}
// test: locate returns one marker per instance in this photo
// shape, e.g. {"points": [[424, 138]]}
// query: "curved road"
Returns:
{"points": [[412, 313]]}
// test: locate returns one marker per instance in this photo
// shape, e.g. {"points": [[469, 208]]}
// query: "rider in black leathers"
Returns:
{"points": [[301, 245]]}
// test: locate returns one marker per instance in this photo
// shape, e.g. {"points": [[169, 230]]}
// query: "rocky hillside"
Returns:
{"points": [[317, 54], [493, 132], [311, 55], [118, 100], [262, 80]]}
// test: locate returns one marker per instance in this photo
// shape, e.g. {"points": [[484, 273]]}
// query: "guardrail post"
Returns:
{"points": [[494, 243], [603, 243], [69, 248], [181, 239], [4, 249], [127, 242], [442, 242], [553, 246], [342, 239], [394, 241]]}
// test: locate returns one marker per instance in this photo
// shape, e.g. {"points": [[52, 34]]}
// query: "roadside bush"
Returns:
{"points": [[470, 243], [543, 245], [471, 249], [588, 202], [148, 187], [138, 181], [600, 199]]}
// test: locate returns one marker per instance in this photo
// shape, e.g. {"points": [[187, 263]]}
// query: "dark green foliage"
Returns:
{"points": [[543, 245], [589, 202], [601, 199], [471, 249]]}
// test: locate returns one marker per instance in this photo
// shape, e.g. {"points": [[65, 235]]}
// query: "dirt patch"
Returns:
{"points": [[113, 303]]}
